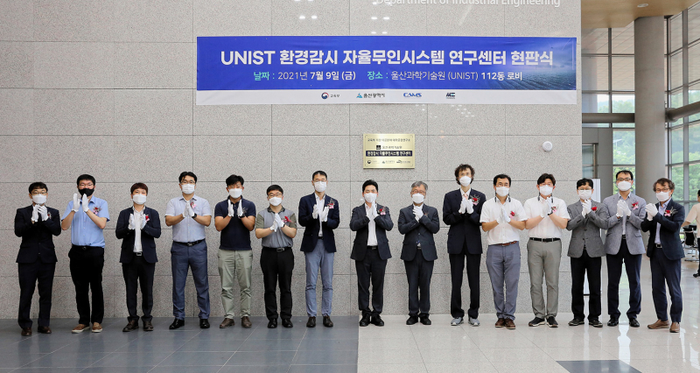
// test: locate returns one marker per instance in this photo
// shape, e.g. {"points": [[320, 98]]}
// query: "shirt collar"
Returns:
{"points": [[194, 198], [269, 209]]}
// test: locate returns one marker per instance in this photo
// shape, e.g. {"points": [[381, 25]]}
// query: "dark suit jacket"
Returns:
{"points": [[464, 228], [306, 219], [359, 222], [37, 240], [669, 232], [419, 231], [148, 235]]}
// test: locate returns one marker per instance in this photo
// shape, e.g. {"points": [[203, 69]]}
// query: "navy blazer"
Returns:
{"points": [[359, 223], [148, 235], [306, 219], [464, 228], [669, 232], [37, 238], [419, 231]]}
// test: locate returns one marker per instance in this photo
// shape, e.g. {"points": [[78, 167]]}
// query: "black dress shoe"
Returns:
{"points": [[425, 320], [412, 320], [312, 322], [634, 323], [327, 321], [287, 323], [26, 332], [132, 325], [272, 324], [204, 323], [44, 330], [148, 326], [377, 320], [177, 323], [364, 321], [613, 321]]}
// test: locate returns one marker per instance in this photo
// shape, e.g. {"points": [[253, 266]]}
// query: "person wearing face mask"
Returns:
{"points": [[277, 227], [189, 215], [370, 251], [418, 223], [138, 226], [665, 251], [546, 218], [320, 214], [623, 243], [36, 224], [586, 249], [693, 217], [501, 218], [234, 217], [461, 210], [87, 216]]}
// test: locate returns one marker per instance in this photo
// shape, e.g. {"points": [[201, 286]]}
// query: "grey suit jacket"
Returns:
{"points": [[633, 225], [585, 231]]}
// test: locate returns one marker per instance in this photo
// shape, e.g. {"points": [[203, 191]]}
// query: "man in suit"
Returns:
{"points": [[370, 251], [320, 214], [461, 210], [665, 252], [36, 260], [623, 243], [586, 249], [138, 226], [418, 223]]}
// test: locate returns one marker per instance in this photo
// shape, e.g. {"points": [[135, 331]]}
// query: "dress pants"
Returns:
{"points": [[633, 265], [371, 268], [457, 274], [666, 272], [419, 272], [503, 264], [276, 265], [139, 272], [86, 263], [29, 274], [235, 266], [543, 259], [319, 258], [590, 267], [183, 258]]}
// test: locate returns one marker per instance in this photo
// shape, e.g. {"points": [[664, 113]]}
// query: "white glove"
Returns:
{"points": [[76, 202], [278, 221], [240, 209], [621, 207], [324, 214], [506, 216], [86, 203], [469, 205], [132, 222], [230, 208], [586, 207], [143, 220], [418, 212], [274, 226], [463, 205], [314, 214], [651, 211], [628, 212], [35, 213], [374, 212], [189, 211], [544, 207], [44, 213]]}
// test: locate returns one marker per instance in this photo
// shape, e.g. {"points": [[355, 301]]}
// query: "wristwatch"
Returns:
{"points": [[195, 216]]}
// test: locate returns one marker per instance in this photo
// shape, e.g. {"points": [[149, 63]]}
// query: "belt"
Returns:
{"points": [[278, 249], [624, 237], [658, 245], [545, 239], [190, 244], [138, 254], [84, 248], [419, 247], [372, 247], [506, 244]]}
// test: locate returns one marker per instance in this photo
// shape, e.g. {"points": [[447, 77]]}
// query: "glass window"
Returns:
{"points": [[677, 98], [694, 142], [623, 125], [623, 147], [595, 103], [623, 103], [596, 125], [623, 40], [677, 178], [694, 63], [623, 73], [594, 41], [594, 73], [676, 30], [677, 70], [693, 24], [677, 145], [693, 181], [588, 160]]}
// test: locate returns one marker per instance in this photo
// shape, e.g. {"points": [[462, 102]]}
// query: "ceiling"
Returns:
{"points": [[620, 13]]}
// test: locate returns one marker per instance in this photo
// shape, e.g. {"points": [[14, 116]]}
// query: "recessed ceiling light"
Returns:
{"points": [[374, 18], [643, 5], [302, 17], [384, 32], [386, 18], [314, 16], [374, 32]]}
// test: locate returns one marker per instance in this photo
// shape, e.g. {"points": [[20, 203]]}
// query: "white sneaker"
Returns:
{"points": [[474, 322], [457, 321]]}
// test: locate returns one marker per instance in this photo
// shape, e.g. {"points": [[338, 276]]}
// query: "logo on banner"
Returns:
{"points": [[359, 95], [413, 95], [324, 95], [450, 96]]}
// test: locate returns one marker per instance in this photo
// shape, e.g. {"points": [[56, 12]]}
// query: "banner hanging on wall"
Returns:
{"points": [[385, 69]]}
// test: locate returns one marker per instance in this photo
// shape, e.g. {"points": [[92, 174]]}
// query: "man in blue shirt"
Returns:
{"points": [[189, 215], [234, 217], [87, 217]]}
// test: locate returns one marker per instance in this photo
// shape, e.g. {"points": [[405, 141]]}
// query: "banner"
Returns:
{"points": [[385, 69]]}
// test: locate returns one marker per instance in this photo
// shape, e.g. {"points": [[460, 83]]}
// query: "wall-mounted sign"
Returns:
{"points": [[389, 151]]}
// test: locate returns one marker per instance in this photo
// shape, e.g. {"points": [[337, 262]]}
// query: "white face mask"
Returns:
{"points": [[188, 188], [139, 199], [418, 198], [662, 196], [585, 194], [370, 197], [502, 191], [39, 199], [320, 186], [465, 181], [235, 192], [275, 201], [546, 190], [624, 186]]}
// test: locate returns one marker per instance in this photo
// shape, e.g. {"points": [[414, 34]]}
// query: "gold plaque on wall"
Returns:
{"points": [[389, 151]]}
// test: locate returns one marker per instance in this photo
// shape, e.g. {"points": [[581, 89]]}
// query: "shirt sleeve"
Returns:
{"points": [[251, 209], [206, 208], [562, 211], [692, 214], [519, 212], [170, 208], [221, 209], [104, 210], [527, 209], [259, 222], [485, 213], [69, 208]]}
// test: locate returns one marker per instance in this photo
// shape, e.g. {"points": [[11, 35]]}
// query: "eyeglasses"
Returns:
{"points": [[625, 179], [663, 189], [188, 182], [86, 185], [274, 195]]}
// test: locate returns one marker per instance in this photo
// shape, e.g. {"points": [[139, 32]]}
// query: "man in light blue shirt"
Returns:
{"points": [[189, 215], [87, 217]]}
